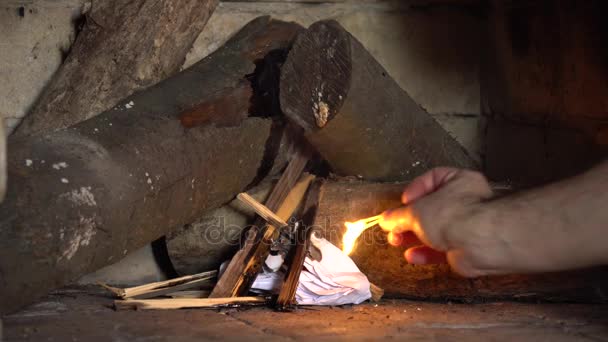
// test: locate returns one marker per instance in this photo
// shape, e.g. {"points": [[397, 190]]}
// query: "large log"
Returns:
{"points": [[385, 266], [83, 197], [214, 237], [355, 114], [124, 46]]}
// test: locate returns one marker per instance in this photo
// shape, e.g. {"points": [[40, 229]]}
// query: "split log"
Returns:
{"points": [[124, 46], [83, 197], [385, 266], [295, 261], [356, 115], [287, 296]]}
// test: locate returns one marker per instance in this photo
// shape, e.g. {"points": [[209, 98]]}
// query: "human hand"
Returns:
{"points": [[439, 220]]}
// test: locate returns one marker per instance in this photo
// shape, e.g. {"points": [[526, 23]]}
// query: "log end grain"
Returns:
{"points": [[317, 75], [356, 115]]}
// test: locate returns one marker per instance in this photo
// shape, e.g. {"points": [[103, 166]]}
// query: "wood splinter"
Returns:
{"points": [[377, 292], [161, 287], [262, 210], [185, 303]]}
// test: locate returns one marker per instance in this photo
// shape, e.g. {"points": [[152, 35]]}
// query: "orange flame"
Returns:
{"points": [[354, 230]]}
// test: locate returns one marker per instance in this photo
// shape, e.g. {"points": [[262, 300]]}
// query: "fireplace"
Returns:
{"points": [[228, 170]]}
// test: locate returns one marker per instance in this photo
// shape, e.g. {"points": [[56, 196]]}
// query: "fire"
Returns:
{"points": [[354, 230]]}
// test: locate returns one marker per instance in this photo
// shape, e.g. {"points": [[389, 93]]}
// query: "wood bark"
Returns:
{"points": [[83, 197], [213, 238], [124, 46], [386, 267], [355, 114]]}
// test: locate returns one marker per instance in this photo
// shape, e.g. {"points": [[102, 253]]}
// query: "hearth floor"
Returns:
{"points": [[83, 314]]}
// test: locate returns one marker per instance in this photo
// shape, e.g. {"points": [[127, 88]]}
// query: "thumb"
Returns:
{"points": [[427, 183], [398, 220]]}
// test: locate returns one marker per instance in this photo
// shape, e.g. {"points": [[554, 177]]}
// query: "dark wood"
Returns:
{"points": [[247, 262], [287, 295], [385, 266], [113, 183], [356, 115], [124, 46]]}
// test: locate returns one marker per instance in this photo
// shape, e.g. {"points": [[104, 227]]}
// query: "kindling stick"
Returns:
{"points": [[247, 262], [261, 210], [183, 303], [147, 288]]}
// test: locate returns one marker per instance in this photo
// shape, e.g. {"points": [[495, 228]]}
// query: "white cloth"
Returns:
{"points": [[335, 280]]}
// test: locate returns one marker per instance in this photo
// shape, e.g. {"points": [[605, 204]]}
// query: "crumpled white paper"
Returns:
{"points": [[335, 280]]}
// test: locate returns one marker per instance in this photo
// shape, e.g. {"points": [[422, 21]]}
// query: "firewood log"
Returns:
{"points": [[124, 46], [83, 197], [213, 238], [356, 115], [386, 267]]}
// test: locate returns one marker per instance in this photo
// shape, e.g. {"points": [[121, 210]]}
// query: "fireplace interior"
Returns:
{"points": [[226, 170]]}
